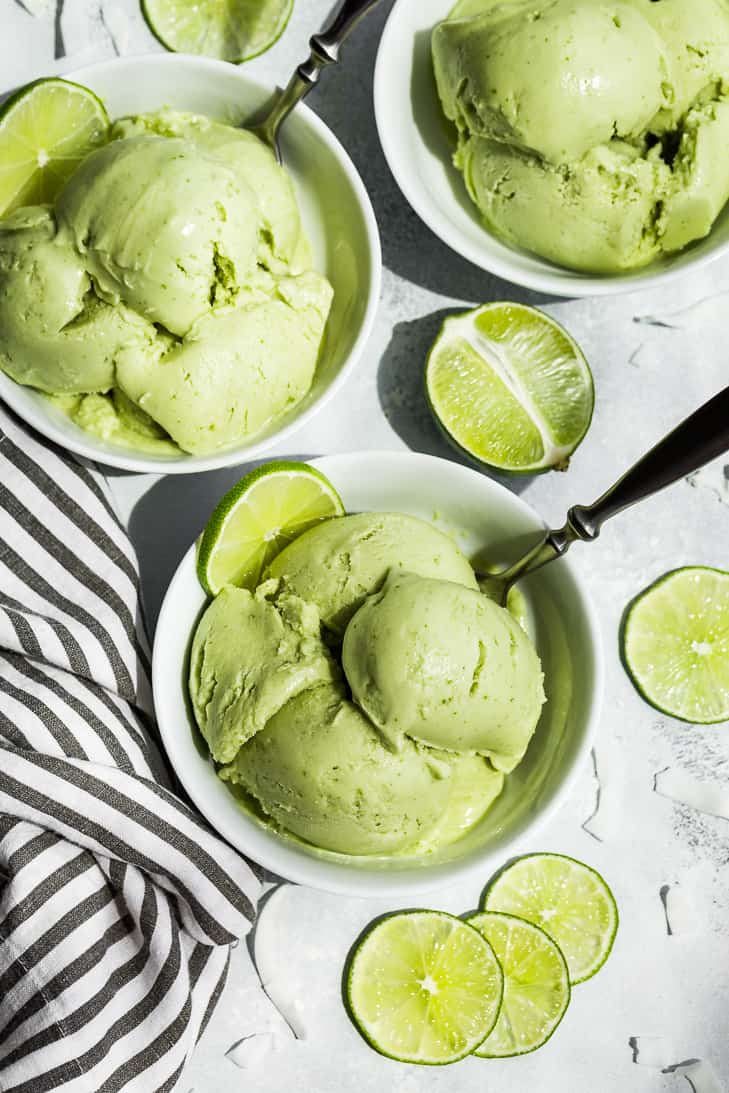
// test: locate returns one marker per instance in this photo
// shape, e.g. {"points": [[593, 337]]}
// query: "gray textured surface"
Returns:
{"points": [[663, 997]]}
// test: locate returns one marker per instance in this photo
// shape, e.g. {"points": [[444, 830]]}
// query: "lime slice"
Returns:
{"points": [[536, 984], [46, 129], [256, 519], [424, 987], [570, 901], [676, 644], [510, 388], [231, 30]]}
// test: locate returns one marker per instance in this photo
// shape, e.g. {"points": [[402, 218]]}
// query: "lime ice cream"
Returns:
{"points": [[591, 132], [172, 276], [338, 563], [249, 657], [322, 770], [402, 748], [442, 664]]}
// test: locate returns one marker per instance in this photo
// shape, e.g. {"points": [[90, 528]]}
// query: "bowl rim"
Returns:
{"points": [[273, 853], [14, 395], [554, 280]]}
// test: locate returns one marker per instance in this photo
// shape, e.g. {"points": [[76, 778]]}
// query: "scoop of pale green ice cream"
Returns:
{"points": [[555, 78], [182, 222], [404, 761], [322, 771], [55, 333], [338, 563], [173, 270], [591, 132], [250, 655], [436, 662]]}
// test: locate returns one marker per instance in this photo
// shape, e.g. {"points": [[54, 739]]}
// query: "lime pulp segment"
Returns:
{"points": [[510, 387], [230, 30], [536, 985], [258, 517], [424, 987], [676, 644], [568, 900], [46, 130]]}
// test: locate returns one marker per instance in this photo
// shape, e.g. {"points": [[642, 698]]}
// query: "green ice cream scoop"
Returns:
{"points": [[340, 562], [167, 301], [590, 132], [55, 334], [252, 161], [251, 653], [239, 368], [553, 76], [598, 214], [322, 771], [440, 663], [181, 222]]}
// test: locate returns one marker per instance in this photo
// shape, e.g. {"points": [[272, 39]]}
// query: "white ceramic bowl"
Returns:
{"points": [[478, 512], [418, 147], [337, 216]]}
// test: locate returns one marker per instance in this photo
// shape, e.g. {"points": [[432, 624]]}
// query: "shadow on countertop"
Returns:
{"points": [[343, 99]]}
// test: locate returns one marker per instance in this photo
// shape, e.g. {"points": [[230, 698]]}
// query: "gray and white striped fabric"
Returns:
{"points": [[118, 905]]}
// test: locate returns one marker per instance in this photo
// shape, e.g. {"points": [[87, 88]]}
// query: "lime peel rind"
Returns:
{"points": [[224, 38], [483, 391], [589, 904], [31, 173], [484, 921], [676, 650], [409, 957], [267, 538]]}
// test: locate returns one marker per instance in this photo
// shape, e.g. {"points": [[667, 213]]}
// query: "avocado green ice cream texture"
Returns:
{"points": [[591, 132], [444, 665], [167, 299], [366, 697]]}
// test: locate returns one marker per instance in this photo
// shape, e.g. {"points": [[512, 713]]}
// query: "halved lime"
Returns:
{"points": [[536, 984], [676, 644], [255, 519], [510, 388], [46, 130], [231, 30], [424, 987], [569, 900]]}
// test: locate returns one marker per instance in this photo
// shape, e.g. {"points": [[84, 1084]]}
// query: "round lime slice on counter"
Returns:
{"points": [[536, 984], [510, 388], [424, 987], [570, 901], [46, 130], [256, 519], [230, 30], [676, 644]]}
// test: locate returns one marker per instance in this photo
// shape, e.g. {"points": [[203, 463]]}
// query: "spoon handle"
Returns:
{"points": [[326, 44], [324, 51], [700, 438]]}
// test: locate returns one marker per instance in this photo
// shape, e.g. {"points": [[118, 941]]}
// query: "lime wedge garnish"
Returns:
{"points": [[46, 129], [231, 30], [570, 901], [676, 644], [510, 387], [536, 984], [255, 519], [424, 987]]}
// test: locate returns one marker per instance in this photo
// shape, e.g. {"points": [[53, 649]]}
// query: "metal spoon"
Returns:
{"points": [[700, 438], [324, 51]]}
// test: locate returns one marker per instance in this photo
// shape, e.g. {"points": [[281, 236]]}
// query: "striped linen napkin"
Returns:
{"points": [[118, 905]]}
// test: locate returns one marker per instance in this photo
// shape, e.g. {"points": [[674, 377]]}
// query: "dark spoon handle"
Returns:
{"points": [[700, 438]]}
